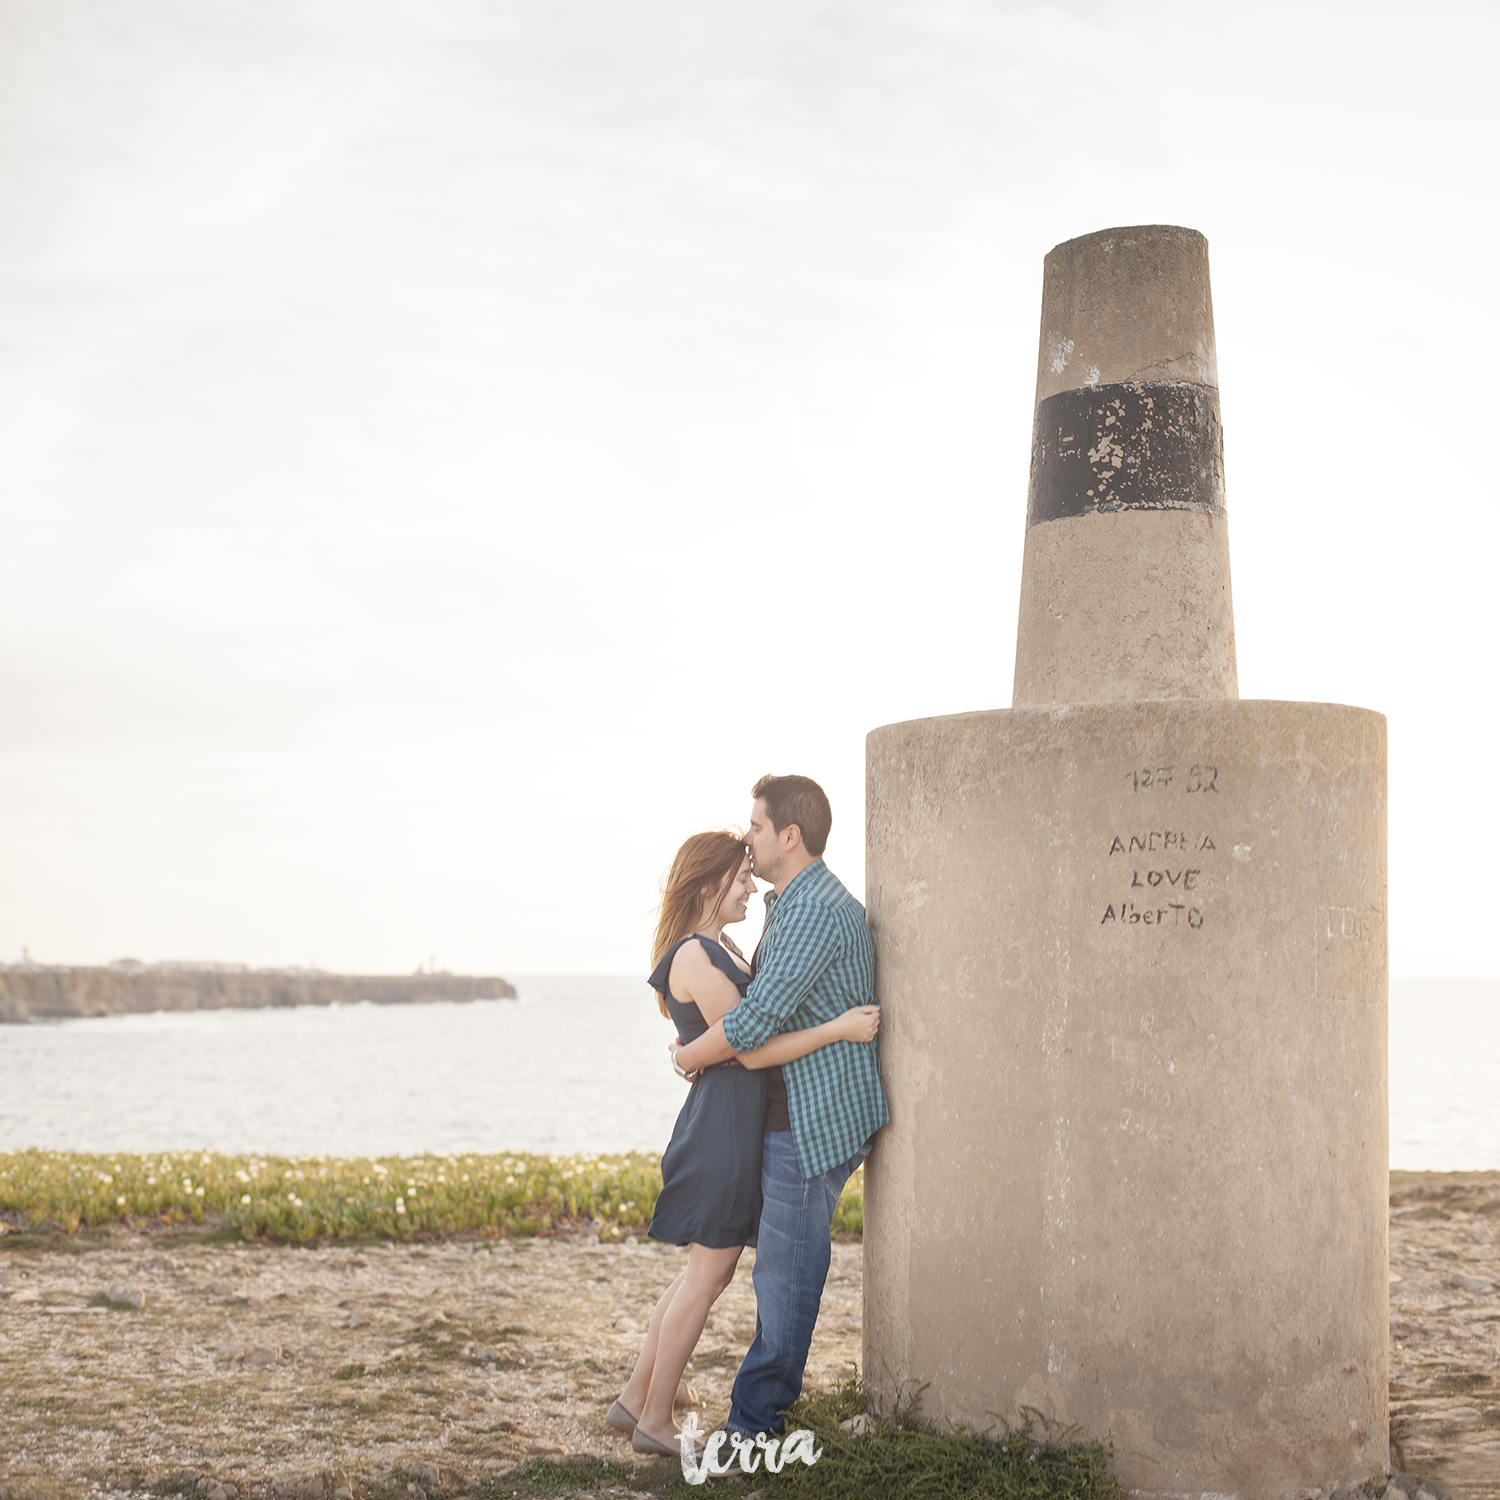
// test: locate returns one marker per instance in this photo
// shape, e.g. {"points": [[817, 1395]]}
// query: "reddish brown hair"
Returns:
{"points": [[702, 869], [799, 800]]}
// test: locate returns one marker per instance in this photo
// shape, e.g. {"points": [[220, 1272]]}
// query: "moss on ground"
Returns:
{"points": [[303, 1200], [896, 1456]]}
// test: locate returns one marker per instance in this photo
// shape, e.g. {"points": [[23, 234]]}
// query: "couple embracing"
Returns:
{"points": [[785, 1097]]}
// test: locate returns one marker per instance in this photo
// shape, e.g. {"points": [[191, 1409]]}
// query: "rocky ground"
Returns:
{"points": [[239, 1370], [253, 1365], [1445, 1329]]}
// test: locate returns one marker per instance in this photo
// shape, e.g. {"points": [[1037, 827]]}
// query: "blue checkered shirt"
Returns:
{"points": [[814, 962]]}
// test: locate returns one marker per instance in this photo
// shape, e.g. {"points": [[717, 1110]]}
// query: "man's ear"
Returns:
{"points": [[792, 833]]}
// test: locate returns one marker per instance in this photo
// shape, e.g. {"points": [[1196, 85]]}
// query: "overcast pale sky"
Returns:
{"points": [[408, 410]]}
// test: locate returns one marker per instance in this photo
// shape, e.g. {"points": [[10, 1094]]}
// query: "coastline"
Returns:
{"points": [[56, 993]]}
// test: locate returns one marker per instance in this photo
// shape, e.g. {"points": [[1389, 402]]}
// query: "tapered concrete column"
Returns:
{"points": [[1132, 955], [1125, 578]]}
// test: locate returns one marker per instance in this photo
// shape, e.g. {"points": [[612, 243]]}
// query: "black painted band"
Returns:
{"points": [[1134, 445]]}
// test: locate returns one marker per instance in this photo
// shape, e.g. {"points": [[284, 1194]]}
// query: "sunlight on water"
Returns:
{"points": [[1445, 1074], [577, 1064], [574, 1065]]}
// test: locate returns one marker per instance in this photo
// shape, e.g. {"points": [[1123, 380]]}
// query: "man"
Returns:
{"points": [[815, 961]]}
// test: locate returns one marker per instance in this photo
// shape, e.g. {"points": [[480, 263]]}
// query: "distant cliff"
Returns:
{"points": [[36, 993]]}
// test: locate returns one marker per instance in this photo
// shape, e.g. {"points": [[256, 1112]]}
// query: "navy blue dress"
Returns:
{"points": [[710, 1170]]}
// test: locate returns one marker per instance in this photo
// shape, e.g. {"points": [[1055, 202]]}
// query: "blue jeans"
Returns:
{"points": [[791, 1265]]}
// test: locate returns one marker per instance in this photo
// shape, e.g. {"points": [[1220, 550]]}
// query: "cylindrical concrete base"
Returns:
{"points": [[1133, 963]]}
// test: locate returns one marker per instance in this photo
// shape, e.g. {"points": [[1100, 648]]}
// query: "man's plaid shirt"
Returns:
{"points": [[814, 962]]}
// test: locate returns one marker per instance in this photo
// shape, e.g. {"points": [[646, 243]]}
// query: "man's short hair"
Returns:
{"points": [[799, 800]]}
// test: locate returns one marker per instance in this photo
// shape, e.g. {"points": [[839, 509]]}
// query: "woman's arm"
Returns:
{"points": [[694, 977], [857, 1025]]}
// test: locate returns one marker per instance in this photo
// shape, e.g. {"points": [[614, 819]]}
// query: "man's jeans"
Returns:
{"points": [[791, 1265]]}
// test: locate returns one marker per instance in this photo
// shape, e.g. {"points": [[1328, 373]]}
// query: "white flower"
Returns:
{"points": [[244, 1197], [121, 1200]]}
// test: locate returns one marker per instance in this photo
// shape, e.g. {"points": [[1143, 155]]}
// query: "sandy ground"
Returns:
{"points": [[257, 1365], [253, 1364], [1445, 1330]]}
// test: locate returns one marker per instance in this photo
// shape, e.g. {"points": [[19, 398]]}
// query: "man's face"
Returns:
{"points": [[766, 848]]}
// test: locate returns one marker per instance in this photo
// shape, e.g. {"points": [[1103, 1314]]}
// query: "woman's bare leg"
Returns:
{"points": [[633, 1397], [683, 1316]]}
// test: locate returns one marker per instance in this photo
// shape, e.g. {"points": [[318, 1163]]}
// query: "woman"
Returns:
{"points": [[710, 1197]]}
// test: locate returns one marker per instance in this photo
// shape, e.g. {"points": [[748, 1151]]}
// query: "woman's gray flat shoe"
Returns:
{"points": [[620, 1419], [643, 1442]]}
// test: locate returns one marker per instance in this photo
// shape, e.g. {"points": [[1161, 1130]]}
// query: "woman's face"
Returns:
{"points": [[735, 901]]}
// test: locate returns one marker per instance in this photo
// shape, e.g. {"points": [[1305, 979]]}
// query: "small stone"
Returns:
{"points": [[218, 1492], [122, 1295], [1460, 1282], [545, 1450], [343, 1492], [298, 1486], [229, 1490], [859, 1425], [426, 1474], [258, 1359]]}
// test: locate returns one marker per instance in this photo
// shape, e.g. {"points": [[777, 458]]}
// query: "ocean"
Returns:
{"points": [[575, 1065]]}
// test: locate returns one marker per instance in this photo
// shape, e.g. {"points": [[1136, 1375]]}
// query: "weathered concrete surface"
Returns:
{"points": [[60, 993], [1132, 963], [1104, 599], [1126, 304]]}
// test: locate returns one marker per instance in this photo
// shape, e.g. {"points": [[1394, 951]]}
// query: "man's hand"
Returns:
{"points": [[859, 1024], [672, 1047]]}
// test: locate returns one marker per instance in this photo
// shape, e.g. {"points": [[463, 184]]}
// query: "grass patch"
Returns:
{"points": [[898, 1456], [300, 1200]]}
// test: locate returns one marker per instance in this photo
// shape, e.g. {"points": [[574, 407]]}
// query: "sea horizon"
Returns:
{"points": [[576, 1063]]}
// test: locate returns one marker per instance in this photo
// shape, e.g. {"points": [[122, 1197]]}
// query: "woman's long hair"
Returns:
{"points": [[704, 865]]}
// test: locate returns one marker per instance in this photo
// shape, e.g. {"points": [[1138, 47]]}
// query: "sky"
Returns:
{"points": [[449, 450]]}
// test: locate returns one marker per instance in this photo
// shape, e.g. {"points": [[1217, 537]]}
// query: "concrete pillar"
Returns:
{"points": [[1125, 579], [1131, 949]]}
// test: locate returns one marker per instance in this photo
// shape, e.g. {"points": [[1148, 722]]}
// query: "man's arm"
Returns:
{"points": [[858, 1024], [807, 941], [706, 1050]]}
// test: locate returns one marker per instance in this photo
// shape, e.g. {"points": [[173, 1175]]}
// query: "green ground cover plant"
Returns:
{"points": [[897, 1455], [300, 1200]]}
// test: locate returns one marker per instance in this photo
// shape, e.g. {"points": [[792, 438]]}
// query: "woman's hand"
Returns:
{"points": [[672, 1047], [859, 1024]]}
